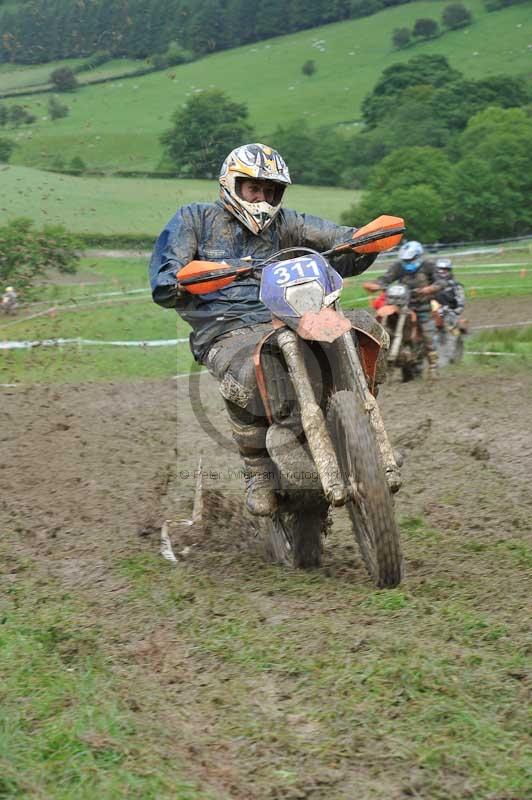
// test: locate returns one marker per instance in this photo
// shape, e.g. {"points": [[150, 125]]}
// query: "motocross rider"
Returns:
{"points": [[245, 223], [452, 296], [9, 300], [418, 274]]}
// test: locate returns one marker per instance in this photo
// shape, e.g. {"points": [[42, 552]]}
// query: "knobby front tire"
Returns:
{"points": [[371, 512]]}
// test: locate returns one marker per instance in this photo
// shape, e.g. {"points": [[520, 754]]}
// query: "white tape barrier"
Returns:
{"points": [[501, 325], [487, 353], [26, 345], [91, 342]]}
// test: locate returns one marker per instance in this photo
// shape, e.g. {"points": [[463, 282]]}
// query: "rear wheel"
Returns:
{"points": [[413, 369], [371, 510], [408, 374], [294, 538]]}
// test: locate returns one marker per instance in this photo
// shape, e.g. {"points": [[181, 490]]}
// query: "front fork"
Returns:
{"points": [[349, 375], [398, 336], [313, 420]]}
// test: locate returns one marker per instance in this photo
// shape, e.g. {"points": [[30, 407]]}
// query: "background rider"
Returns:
{"points": [[418, 273]]}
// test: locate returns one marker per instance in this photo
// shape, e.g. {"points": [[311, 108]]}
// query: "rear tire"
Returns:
{"points": [[407, 374], [294, 538], [372, 513]]}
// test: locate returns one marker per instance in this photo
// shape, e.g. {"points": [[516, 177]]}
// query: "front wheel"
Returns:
{"points": [[371, 509], [458, 354]]}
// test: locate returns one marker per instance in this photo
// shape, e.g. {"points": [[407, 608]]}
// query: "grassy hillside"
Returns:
{"points": [[117, 125], [125, 205], [18, 76]]}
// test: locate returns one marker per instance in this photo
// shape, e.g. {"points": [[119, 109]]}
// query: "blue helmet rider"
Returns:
{"points": [[410, 256]]}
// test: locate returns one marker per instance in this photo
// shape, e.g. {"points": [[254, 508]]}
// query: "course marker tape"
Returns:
{"points": [[488, 353], [26, 345], [92, 342], [501, 325]]}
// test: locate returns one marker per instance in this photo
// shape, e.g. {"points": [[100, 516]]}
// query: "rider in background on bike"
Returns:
{"points": [[418, 273], [9, 300], [452, 296], [246, 224]]}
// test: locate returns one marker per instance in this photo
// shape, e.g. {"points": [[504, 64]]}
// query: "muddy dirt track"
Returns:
{"points": [[89, 472], [82, 463], [86, 468]]}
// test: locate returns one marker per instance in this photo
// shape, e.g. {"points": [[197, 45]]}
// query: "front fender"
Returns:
{"points": [[387, 311], [326, 325]]}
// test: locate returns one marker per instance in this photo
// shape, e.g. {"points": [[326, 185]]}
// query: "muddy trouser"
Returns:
{"points": [[451, 318], [230, 360], [428, 332]]}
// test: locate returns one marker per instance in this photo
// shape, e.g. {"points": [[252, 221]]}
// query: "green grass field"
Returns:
{"points": [[117, 125], [95, 306], [88, 743], [129, 205], [14, 77], [433, 683], [81, 720]]}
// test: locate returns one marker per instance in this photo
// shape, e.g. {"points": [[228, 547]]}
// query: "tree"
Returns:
{"points": [[421, 206], [483, 207], [18, 115], [309, 67], [401, 37], [415, 121], [204, 131], [426, 28], [456, 15], [95, 60], [433, 70], [77, 165], [457, 102], [56, 109], [207, 28], [501, 139], [410, 166], [64, 79], [6, 148], [27, 254], [315, 157], [412, 182]]}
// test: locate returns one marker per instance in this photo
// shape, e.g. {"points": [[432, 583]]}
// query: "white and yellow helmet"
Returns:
{"points": [[262, 163]]}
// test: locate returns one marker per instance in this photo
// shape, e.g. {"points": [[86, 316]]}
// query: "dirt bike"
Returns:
{"points": [[450, 332], [407, 348], [316, 376]]}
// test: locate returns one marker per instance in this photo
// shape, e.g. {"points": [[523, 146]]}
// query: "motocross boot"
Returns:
{"points": [[432, 358], [259, 473], [393, 478]]}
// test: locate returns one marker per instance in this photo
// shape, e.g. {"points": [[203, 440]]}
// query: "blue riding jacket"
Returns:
{"points": [[207, 231]]}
